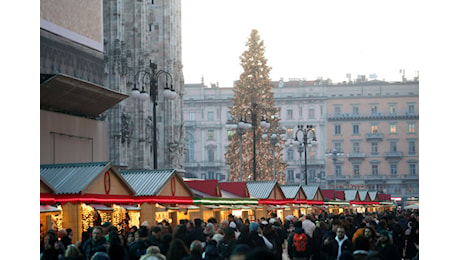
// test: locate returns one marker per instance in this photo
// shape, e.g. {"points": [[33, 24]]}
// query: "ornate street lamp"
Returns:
{"points": [[151, 78], [307, 136], [334, 155]]}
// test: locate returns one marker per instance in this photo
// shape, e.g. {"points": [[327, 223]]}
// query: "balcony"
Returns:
{"points": [[356, 156], [411, 177], [371, 116], [393, 155], [374, 137], [375, 178]]}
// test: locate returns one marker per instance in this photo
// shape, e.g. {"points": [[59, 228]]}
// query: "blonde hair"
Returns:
{"points": [[72, 250]]}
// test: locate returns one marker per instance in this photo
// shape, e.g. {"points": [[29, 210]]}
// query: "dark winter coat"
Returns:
{"points": [[331, 250], [292, 252]]}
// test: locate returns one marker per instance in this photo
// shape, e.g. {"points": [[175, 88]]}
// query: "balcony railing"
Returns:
{"points": [[356, 155], [393, 155], [377, 115], [374, 136], [410, 177]]}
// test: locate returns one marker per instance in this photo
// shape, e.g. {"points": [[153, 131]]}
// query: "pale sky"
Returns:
{"points": [[303, 39]]}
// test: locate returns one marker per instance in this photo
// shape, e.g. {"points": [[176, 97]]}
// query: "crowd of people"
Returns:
{"points": [[389, 235]]}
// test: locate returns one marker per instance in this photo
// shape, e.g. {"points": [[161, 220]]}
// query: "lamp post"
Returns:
{"points": [[240, 130], [168, 92], [305, 139], [334, 154], [264, 124]]}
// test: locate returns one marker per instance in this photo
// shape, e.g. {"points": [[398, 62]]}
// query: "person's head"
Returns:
{"points": [[97, 233], [361, 243], [224, 224], [231, 218], [105, 227], [369, 232], [100, 256], [384, 237], [156, 231], [129, 237], [239, 252], [340, 233], [152, 250], [254, 226], [334, 225], [196, 247], [298, 224], [72, 250], [62, 233]]}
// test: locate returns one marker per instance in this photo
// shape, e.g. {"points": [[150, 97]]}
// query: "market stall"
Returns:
{"points": [[160, 194], [85, 193], [315, 199], [270, 196]]}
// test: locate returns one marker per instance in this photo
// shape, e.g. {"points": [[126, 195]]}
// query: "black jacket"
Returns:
{"points": [[292, 252], [331, 250]]}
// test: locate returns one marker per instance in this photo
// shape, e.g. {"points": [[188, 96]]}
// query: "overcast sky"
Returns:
{"points": [[303, 39]]}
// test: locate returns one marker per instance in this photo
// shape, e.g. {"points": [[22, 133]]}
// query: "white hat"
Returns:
{"points": [[232, 225], [289, 217], [272, 221], [264, 222]]}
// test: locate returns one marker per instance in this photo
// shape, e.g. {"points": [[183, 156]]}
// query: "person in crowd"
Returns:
{"points": [[299, 245], [140, 247], [100, 256], [412, 239], [153, 253], [361, 248], [177, 250], [155, 235], [308, 225], [240, 251], [270, 233], [49, 250], [166, 239], [320, 231], [385, 247], [224, 224], [227, 244], [181, 232], [72, 253], [209, 231], [211, 252], [97, 243], [116, 250], [397, 232], [333, 247], [371, 236], [197, 232], [64, 238], [255, 238], [260, 253], [130, 239]]}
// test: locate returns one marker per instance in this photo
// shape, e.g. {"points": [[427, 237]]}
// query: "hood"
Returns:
{"points": [[299, 230]]}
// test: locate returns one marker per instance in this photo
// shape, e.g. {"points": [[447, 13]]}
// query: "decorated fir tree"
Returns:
{"points": [[253, 102]]}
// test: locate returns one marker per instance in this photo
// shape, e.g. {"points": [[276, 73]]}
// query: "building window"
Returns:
{"points": [[210, 134], [393, 129], [356, 168], [411, 109], [211, 175], [337, 130], [412, 169], [375, 169], [374, 148], [412, 150], [393, 170], [337, 110], [356, 147], [411, 128], [290, 114], [338, 170], [374, 128], [338, 146], [211, 155], [191, 116], [311, 113], [392, 109], [290, 155], [373, 109], [290, 175], [393, 146], [355, 110], [290, 133], [210, 115], [356, 129], [203, 176]]}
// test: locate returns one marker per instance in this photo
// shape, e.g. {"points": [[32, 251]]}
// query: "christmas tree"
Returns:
{"points": [[253, 102]]}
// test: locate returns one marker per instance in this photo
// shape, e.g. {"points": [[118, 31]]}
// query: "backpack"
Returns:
{"points": [[300, 242]]}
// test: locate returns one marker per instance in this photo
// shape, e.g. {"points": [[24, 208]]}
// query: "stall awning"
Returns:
{"points": [[129, 207], [48, 208], [101, 207]]}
